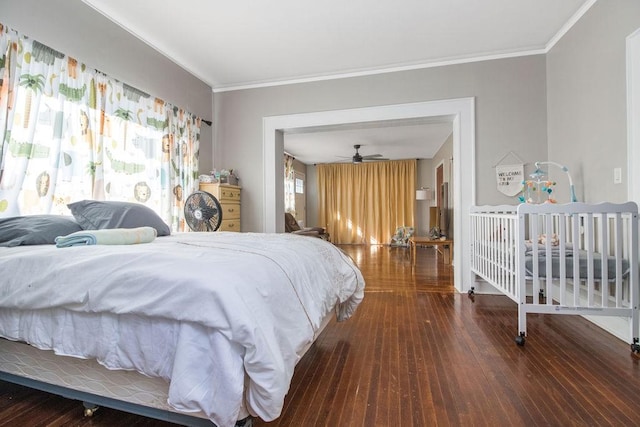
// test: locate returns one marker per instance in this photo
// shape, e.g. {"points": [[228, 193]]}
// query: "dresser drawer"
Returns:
{"points": [[229, 194], [209, 187], [230, 225], [222, 192], [230, 210]]}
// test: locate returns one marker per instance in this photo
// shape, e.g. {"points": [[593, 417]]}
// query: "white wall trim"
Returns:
{"points": [[462, 110], [443, 62], [569, 24], [633, 116], [362, 73]]}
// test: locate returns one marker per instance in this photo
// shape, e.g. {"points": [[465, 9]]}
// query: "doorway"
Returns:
{"points": [[462, 113]]}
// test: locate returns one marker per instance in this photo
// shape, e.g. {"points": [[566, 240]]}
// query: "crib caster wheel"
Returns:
{"points": [[520, 340], [89, 409], [635, 347]]}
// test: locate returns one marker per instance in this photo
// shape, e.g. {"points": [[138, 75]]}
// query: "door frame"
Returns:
{"points": [[461, 111], [633, 112]]}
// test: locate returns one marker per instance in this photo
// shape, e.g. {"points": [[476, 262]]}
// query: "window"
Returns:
{"points": [[69, 132]]}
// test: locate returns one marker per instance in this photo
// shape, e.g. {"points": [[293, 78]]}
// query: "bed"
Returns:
{"points": [[194, 328], [573, 259]]}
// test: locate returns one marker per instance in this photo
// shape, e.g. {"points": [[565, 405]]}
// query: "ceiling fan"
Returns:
{"points": [[359, 158]]}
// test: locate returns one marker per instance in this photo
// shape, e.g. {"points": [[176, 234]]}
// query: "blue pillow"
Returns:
{"points": [[98, 215], [35, 229]]}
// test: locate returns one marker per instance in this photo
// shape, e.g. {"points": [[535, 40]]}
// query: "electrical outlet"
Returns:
{"points": [[617, 175]]}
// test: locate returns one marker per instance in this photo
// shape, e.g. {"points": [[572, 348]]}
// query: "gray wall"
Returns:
{"points": [[510, 115], [444, 156], [313, 207], [76, 29], [578, 88], [587, 105]]}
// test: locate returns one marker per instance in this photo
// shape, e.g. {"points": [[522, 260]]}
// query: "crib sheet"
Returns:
{"points": [[570, 258]]}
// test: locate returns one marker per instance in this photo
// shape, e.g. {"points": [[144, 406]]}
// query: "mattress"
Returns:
{"points": [[130, 389], [125, 357], [85, 375], [506, 253], [583, 265]]}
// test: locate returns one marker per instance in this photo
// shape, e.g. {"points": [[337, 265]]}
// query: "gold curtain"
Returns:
{"points": [[364, 203]]}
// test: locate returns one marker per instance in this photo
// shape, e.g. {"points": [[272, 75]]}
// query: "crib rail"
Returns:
{"points": [[493, 242], [560, 259]]}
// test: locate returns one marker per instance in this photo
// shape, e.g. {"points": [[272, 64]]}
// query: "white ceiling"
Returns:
{"points": [[253, 43], [397, 139]]}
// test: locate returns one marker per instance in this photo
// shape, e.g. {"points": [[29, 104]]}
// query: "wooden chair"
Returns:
{"points": [[292, 226]]}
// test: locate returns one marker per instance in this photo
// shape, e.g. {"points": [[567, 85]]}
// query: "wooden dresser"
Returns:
{"points": [[229, 197]]}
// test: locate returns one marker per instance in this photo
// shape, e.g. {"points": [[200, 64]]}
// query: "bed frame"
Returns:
{"points": [[593, 251], [87, 381]]}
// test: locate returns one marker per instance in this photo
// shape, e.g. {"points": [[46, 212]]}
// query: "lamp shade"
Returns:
{"points": [[423, 194]]}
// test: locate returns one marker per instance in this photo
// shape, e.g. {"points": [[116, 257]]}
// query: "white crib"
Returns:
{"points": [[593, 253]]}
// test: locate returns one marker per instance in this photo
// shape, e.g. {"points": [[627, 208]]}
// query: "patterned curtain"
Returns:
{"points": [[289, 185], [70, 133]]}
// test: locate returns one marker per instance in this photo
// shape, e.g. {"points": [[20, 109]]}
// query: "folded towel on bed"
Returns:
{"points": [[111, 236]]}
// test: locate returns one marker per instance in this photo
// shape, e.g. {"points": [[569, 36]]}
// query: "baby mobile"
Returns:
{"points": [[538, 189]]}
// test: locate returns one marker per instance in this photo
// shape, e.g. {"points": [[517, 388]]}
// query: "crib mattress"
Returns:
{"points": [[583, 265]]}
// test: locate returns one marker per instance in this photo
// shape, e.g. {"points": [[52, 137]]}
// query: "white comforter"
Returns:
{"points": [[245, 302]]}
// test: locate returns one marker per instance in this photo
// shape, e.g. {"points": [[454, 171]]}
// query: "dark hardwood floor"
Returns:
{"points": [[418, 354]]}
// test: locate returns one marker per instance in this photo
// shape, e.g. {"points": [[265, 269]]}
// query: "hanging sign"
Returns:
{"points": [[509, 179]]}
